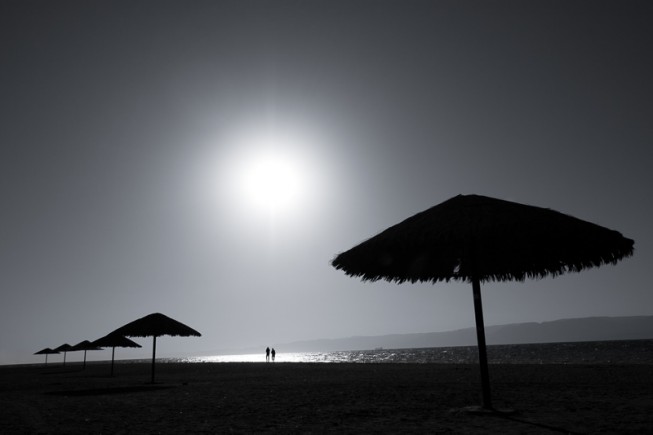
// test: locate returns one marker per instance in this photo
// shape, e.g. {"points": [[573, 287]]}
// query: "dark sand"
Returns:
{"points": [[318, 398]]}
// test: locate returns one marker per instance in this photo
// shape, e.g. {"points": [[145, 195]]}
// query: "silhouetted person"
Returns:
{"points": [[267, 354], [273, 354]]}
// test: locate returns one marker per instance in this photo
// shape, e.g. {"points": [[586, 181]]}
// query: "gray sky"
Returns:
{"points": [[128, 126]]}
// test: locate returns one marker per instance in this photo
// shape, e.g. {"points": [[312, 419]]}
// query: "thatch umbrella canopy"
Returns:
{"points": [[155, 325], [64, 348], [47, 351], [476, 239], [85, 346], [114, 341]]}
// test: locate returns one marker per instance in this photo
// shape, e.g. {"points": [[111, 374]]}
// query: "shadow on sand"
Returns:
{"points": [[512, 417], [509, 414], [111, 390], [62, 370]]}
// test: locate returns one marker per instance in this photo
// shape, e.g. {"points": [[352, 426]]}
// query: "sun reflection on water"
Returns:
{"points": [[304, 357], [296, 357], [605, 352]]}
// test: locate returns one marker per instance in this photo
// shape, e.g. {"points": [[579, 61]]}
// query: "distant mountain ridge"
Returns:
{"points": [[565, 330]]}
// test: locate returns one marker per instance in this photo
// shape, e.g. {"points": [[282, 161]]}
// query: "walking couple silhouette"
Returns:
{"points": [[269, 352]]}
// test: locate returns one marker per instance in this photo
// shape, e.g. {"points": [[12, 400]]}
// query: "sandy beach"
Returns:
{"points": [[319, 398]]}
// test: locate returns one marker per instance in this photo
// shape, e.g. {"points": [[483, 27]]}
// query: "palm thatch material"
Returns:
{"points": [[475, 238], [65, 348], [491, 239], [47, 351], [156, 325], [114, 341], [85, 346]]}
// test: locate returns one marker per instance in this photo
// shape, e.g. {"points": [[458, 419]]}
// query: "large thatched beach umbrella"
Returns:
{"points": [[47, 351], [155, 325], [114, 341], [65, 348], [476, 239], [85, 346]]}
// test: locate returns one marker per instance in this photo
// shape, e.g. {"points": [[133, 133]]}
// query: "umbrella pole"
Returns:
{"points": [[113, 353], [153, 354], [84, 366], [480, 338]]}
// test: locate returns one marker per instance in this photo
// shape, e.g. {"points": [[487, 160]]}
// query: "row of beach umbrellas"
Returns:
{"points": [[153, 325], [110, 340]]}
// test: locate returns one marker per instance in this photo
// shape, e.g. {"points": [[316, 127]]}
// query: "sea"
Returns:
{"points": [[589, 352]]}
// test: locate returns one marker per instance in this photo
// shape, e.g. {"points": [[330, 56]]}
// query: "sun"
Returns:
{"points": [[270, 174], [258, 182], [272, 180], [261, 179]]}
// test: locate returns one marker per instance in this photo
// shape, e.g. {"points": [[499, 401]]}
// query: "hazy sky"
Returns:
{"points": [[130, 131]]}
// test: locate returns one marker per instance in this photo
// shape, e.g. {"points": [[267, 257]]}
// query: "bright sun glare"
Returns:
{"points": [[269, 174], [271, 180], [268, 179]]}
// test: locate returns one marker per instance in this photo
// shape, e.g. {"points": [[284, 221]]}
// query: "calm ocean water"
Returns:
{"points": [[593, 352]]}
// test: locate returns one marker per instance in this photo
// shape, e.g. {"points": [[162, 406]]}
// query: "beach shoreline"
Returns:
{"points": [[323, 397]]}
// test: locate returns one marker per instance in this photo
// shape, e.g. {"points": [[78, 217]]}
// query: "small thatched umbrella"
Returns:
{"points": [[477, 239], [64, 348], [47, 351], [114, 341], [85, 346], [155, 325]]}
